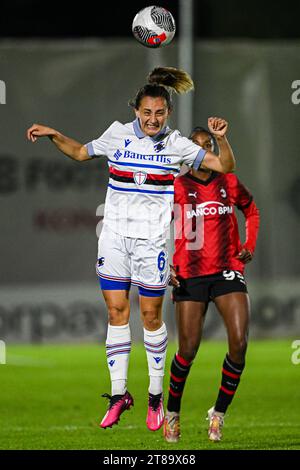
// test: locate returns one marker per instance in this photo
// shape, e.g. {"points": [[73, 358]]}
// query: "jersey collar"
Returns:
{"points": [[204, 183], [140, 134]]}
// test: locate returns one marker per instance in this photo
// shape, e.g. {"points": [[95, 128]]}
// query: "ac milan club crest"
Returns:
{"points": [[140, 177]]}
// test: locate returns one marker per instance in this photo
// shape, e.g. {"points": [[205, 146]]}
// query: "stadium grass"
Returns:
{"points": [[50, 399]]}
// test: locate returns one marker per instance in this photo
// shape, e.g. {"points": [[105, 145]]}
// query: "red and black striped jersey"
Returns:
{"points": [[206, 230]]}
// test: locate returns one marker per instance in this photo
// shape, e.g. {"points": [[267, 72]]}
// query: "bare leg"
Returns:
{"points": [[190, 319], [117, 303], [235, 311]]}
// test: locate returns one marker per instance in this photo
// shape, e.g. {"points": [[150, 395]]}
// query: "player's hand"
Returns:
{"points": [[37, 130], [245, 255], [173, 278], [217, 126]]}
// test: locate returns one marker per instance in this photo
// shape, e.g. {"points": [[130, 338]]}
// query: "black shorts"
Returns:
{"points": [[207, 288]]}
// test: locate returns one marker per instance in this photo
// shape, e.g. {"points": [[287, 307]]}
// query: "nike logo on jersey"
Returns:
{"points": [[157, 359], [193, 194], [127, 142], [111, 363]]}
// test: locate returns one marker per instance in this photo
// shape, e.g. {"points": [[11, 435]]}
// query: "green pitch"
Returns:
{"points": [[50, 399]]}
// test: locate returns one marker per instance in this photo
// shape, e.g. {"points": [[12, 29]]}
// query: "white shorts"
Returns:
{"points": [[123, 261]]}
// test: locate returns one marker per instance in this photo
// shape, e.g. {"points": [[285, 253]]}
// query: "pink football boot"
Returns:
{"points": [[155, 416], [117, 404]]}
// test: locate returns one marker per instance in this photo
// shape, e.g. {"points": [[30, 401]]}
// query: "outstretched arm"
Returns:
{"points": [[69, 147], [225, 162]]}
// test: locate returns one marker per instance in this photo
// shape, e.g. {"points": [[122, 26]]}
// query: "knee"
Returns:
{"points": [[188, 349], [118, 315], [188, 354], [238, 348], [151, 320]]}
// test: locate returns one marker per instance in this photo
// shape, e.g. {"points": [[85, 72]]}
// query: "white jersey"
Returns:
{"points": [[142, 170]]}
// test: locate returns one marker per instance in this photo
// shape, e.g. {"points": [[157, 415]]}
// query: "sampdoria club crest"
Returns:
{"points": [[140, 177]]}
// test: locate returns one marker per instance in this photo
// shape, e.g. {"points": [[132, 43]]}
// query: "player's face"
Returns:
{"points": [[153, 114], [204, 140]]}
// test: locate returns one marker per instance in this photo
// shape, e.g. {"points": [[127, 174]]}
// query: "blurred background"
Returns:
{"points": [[75, 69]]}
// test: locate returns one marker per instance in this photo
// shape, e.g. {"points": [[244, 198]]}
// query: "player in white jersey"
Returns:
{"points": [[144, 157]]}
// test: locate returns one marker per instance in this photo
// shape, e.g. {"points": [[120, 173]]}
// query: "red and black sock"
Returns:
{"points": [[179, 371], [231, 374]]}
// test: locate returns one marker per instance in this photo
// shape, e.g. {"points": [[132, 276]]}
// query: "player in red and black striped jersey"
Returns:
{"points": [[207, 238], [209, 262]]}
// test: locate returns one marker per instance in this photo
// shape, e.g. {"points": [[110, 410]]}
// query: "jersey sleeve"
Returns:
{"points": [[98, 147], [242, 196], [191, 154], [252, 217], [244, 202]]}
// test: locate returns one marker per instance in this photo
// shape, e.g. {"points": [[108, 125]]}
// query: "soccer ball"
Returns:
{"points": [[154, 26]]}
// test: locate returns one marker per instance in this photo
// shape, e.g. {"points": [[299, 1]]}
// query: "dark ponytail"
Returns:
{"points": [[161, 82]]}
